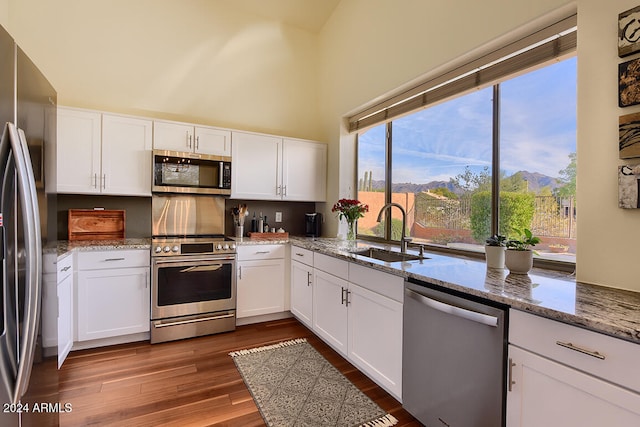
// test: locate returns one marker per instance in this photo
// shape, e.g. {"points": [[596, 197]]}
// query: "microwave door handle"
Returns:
{"points": [[221, 175]]}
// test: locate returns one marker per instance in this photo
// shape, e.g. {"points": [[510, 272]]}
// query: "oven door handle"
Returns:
{"points": [[182, 260], [201, 319], [210, 267]]}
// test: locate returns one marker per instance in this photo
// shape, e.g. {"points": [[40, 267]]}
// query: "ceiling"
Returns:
{"points": [[309, 15]]}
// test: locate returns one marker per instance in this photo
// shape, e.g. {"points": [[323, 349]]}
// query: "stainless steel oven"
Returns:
{"points": [[194, 287]]}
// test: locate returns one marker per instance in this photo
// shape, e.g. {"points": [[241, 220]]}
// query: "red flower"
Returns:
{"points": [[350, 209]]}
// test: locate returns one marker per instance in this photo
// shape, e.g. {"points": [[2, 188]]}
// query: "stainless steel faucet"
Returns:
{"points": [[404, 241]]}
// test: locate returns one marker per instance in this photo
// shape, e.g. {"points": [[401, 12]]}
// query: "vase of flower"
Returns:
{"points": [[351, 230], [350, 210]]}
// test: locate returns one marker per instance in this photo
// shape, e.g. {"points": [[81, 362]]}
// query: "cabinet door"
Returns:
{"points": [[256, 172], [330, 310], [65, 318], [112, 302], [126, 155], [260, 287], [212, 141], [78, 151], [545, 393], [304, 171], [172, 136], [302, 292], [49, 312], [375, 319]]}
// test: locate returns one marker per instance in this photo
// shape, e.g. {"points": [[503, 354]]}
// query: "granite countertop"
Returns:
{"points": [[555, 295], [64, 246]]}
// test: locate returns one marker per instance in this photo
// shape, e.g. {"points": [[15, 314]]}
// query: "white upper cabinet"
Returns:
{"points": [[78, 152], [255, 172], [126, 155], [175, 136], [267, 167], [103, 153]]}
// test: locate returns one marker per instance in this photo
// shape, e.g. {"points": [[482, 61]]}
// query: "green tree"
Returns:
{"points": [[516, 212], [470, 181], [568, 178], [445, 192], [396, 229]]}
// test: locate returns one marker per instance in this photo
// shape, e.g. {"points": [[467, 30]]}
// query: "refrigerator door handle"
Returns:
{"points": [[33, 258]]}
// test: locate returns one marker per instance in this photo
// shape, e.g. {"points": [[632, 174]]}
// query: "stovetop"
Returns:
{"points": [[166, 246]]}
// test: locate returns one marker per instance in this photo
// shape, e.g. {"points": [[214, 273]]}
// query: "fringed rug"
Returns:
{"points": [[293, 385]]}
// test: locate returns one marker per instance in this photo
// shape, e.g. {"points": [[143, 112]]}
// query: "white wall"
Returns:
{"points": [[608, 237], [196, 60]]}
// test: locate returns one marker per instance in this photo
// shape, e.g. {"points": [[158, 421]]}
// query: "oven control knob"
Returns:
{"points": [[233, 246], [167, 248], [158, 249], [218, 246], [226, 247], [175, 248]]}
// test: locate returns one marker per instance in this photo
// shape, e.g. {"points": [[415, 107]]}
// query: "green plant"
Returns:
{"points": [[496, 240], [524, 240], [516, 211]]}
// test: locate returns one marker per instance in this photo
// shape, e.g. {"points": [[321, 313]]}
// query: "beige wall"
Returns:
{"points": [[201, 60], [194, 60]]}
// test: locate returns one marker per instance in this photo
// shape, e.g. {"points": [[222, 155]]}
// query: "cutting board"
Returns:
{"points": [[90, 224]]}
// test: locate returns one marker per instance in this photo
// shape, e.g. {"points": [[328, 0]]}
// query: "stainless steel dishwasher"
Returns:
{"points": [[454, 350]]}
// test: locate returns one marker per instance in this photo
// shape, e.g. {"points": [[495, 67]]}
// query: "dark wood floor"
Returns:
{"points": [[186, 383]]}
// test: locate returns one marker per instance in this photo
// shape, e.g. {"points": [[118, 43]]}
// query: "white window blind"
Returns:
{"points": [[553, 42]]}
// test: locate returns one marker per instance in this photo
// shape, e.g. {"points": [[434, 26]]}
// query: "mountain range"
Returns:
{"points": [[536, 182]]}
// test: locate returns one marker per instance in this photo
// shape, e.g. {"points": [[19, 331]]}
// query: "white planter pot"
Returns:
{"points": [[494, 256], [519, 262]]}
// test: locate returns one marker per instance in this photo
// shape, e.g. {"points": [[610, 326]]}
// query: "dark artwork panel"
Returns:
{"points": [[629, 136], [629, 83], [629, 32]]}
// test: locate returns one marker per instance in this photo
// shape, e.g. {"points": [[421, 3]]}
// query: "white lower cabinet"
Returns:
{"points": [[330, 310], [260, 281], [565, 376], [65, 308], [375, 337], [113, 293], [302, 292], [361, 317]]}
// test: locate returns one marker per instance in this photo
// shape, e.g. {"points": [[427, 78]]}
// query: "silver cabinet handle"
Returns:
{"points": [[95, 180], [197, 142], [299, 254], [66, 268], [511, 381], [464, 313], [582, 350], [113, 259], [308, 278], [104, 181], [262, 252], [188, 137], [240, 273], [284, 190]]}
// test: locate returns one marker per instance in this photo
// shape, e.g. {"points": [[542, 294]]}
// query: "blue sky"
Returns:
{"points": [[538, 123]]}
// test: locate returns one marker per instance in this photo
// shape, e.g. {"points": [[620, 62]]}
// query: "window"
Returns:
{"points": [[489, 160]]}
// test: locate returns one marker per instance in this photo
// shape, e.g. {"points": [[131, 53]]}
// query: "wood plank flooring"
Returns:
{"points": [[186, 383]]}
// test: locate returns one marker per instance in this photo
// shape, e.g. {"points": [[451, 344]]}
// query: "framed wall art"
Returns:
{"points": [[628, 186], [629, 32], [629, 83], [629, 136]]}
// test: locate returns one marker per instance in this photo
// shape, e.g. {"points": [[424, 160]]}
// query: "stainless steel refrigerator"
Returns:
{"points": [[29, 381]]}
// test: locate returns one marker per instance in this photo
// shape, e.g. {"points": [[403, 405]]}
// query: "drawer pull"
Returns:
{"points": [[299, 254], [511, 381], [63, 269], [262, 252], [591, 353], [114, 259]]}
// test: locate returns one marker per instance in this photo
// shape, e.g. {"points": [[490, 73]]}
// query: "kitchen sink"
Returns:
{"points": [[387, 255]]}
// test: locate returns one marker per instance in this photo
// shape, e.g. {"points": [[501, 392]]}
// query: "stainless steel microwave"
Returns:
{"points": [[182, 172]]}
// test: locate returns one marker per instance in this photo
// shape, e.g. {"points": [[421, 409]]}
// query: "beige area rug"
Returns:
{"points": [[293, 385]]}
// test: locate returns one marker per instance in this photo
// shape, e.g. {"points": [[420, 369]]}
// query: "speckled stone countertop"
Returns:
{"points": [[65, 246], [551, 294]]}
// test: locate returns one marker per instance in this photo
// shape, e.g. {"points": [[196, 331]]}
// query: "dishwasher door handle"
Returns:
{"points": [[474, 316]]}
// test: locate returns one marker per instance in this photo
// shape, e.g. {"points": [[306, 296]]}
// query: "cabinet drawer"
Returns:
{"points": [[94, 260], [609, 358], [64, 266], [304, 256], [331, 265], [377, 281], [49, 263], [257, 252]]}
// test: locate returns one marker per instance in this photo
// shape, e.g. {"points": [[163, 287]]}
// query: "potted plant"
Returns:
{"points": [[494, 249], [519, 255]]}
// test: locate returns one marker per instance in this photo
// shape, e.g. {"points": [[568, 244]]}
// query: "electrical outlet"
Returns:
{"points": [[278, 216]]}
